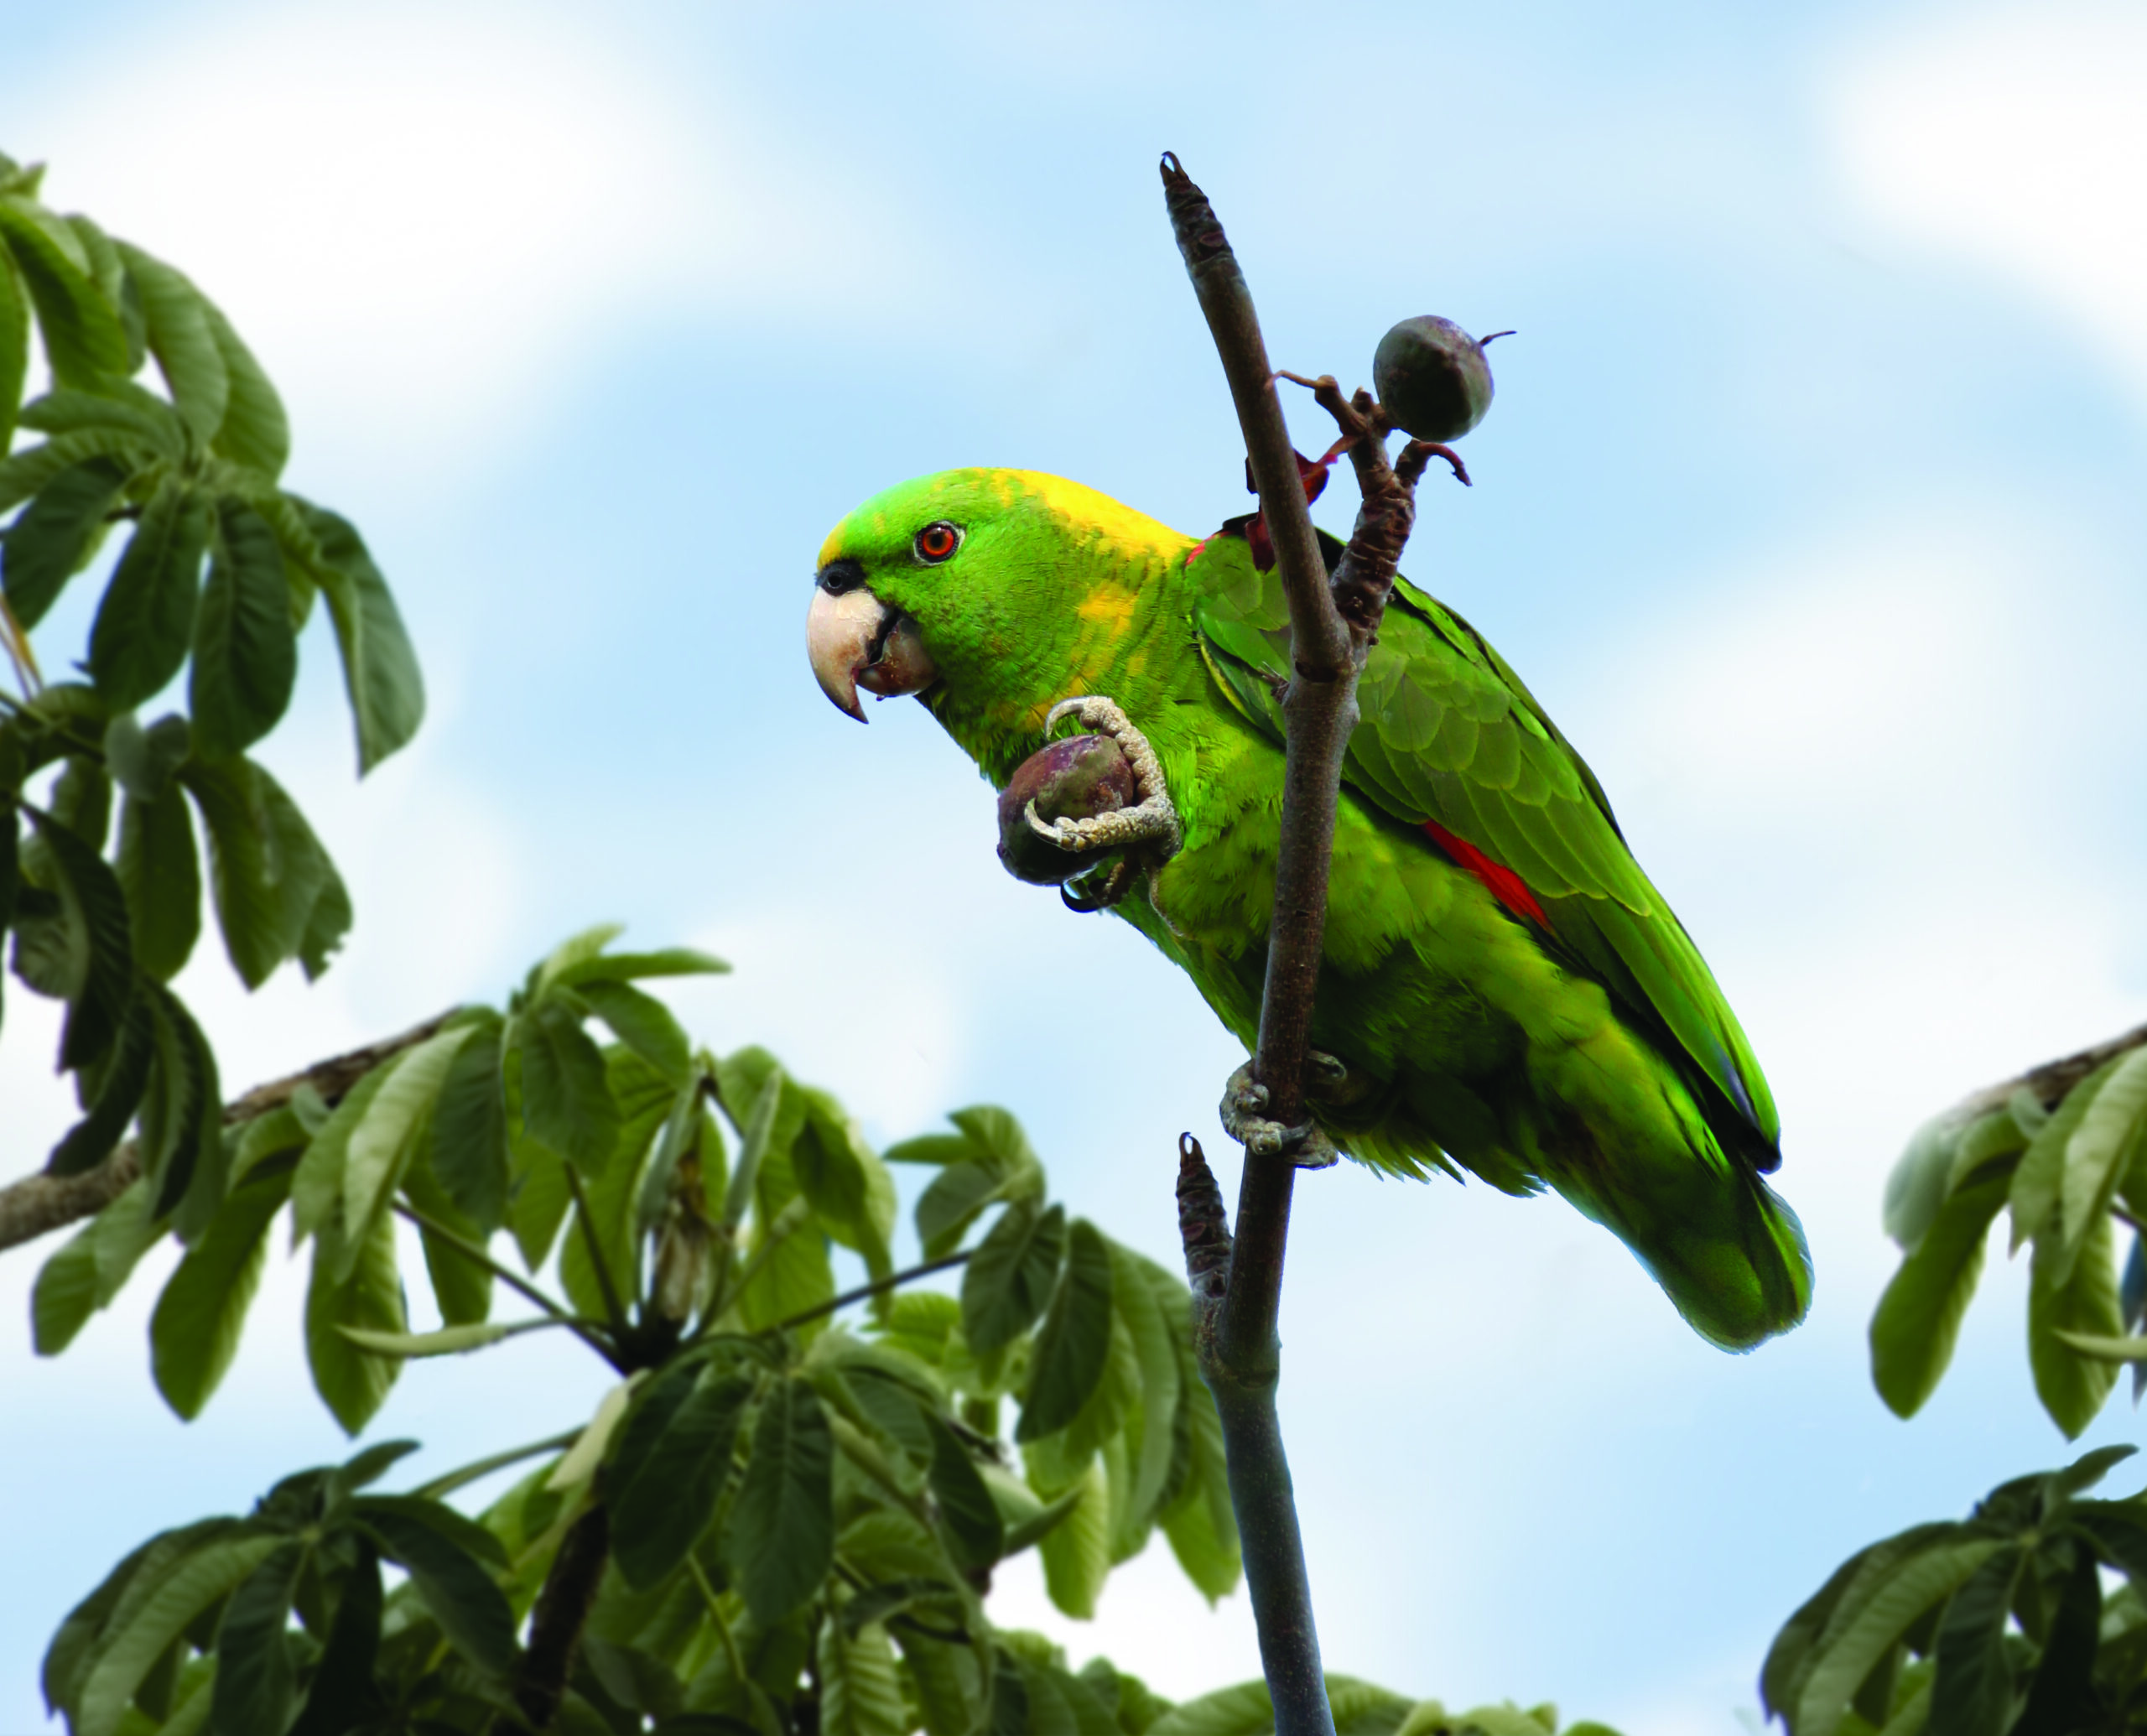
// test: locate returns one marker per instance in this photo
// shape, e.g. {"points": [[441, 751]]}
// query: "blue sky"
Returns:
{"points": [[1811, 507]]}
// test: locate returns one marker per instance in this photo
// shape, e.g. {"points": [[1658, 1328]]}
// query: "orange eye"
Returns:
{"points": [[936, 542]]}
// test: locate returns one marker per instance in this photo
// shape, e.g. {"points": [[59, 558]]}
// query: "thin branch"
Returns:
{"points": [[892, 1281], [507, 1276], [614, 1310], [449, 1482], [2051, 1081], [38, 1204]]}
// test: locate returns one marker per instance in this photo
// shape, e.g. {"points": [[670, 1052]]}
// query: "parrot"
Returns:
{"points": [[1502, 991]]}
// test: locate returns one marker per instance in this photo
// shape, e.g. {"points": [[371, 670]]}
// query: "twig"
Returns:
{"points": [[448, 1482], [38, 1204], [507, 1276], [890, 1281]]}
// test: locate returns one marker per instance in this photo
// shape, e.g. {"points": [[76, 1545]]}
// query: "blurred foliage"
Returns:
{"points": [[2073, 1176], [100, 874]]}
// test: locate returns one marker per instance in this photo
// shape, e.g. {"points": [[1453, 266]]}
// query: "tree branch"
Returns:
{"points": [[38, 1204], [555, 1625], [2051, 1081]]}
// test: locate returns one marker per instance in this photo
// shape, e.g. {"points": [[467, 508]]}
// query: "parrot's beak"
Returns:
{"points": [[855, 640]]}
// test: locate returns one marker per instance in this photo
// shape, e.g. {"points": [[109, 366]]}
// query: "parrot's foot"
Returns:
{"points": [[1243, 1100], [1150, 826]]}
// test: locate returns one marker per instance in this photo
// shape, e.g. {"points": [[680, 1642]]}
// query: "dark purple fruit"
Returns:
{"points": [[1432, 378], [1078, 779]]}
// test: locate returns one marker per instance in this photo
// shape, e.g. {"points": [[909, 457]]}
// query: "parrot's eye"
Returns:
{"points": [[839, 576], [936, 542]]}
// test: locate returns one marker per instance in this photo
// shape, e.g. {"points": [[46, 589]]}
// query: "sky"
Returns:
{"points": [[1810, 505]]}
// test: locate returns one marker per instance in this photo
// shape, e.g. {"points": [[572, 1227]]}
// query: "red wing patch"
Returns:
{"points": [[1508, 888]]}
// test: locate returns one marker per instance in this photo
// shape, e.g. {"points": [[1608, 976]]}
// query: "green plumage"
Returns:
{"points": [[1590, 1049]]}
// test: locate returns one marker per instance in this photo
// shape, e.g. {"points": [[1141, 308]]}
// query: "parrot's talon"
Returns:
{"points": [[1152, 825], [1244, 1098], [1117, 881]]}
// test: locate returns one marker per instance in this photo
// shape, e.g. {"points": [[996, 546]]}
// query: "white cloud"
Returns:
{"points": [[2015, 135], [421, 217]]}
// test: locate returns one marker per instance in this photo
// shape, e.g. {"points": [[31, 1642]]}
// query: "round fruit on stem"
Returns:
{"points": [[1432, 378]]}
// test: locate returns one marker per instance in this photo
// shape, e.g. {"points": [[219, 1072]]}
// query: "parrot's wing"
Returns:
{"points": [[1451, 742]]}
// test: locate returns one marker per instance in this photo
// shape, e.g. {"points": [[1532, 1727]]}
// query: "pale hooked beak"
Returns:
{"points": [[855, 640]]}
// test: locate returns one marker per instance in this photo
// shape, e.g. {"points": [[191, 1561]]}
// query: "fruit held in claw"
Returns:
{"points": [[1432, 378], [1078, 779]]}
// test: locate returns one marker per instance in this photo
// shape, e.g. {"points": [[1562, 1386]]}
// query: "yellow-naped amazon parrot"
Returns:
{"points": [[1502, 989]]}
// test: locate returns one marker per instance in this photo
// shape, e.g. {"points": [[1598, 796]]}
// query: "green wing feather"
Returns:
{"points": [[1449, 734]]}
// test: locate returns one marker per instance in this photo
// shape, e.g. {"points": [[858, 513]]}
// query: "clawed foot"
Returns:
{"points": [[1244, 1097], [1149, 831]]}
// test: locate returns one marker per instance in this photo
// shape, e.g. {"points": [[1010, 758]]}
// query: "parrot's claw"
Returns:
{"points": [[1243, 1100], [1152, 825]]}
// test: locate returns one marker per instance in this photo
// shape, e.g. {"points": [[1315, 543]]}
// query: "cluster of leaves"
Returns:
{"points": [[784, 1497], [193, 472], [1362, 1709], [1996, 1623], [2072, 1174]]}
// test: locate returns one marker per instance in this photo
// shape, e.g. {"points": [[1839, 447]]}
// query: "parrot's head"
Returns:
{"points": [[971, 583]]}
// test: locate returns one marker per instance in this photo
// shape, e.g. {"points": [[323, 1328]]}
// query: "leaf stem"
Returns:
{"points": [[614, 1311], [722, 1625], [893, 1281], [469, 1250], [454, 1480]]}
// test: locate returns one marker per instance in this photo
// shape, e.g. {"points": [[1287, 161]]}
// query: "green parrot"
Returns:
{"points": [[1502, 989]]}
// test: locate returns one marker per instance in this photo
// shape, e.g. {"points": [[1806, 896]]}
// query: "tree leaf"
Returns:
{"points": [[193, 1583], [860, 1694], [469, 1607], [2072, 1387], [2062, 1695], [120, 1088], [623, 967], [2037, 1182], [255, 1684], [342, 1694], [2109, 1139], [195, 1332], [1918, 1318], [186, 351], [1973, 1692], [90, 1269], [255, 431], [385, 1137], [469, 1142], [1136, 1286], [1077, 1553], [643, 1023], [1009, 1279], [971, 1516], [159, 872], [1910, 1586], [100, 963], [14, 347], [317, 1187], [245, 657], [1074, 1342], [781, 1543], [670, 1464], [353, 1383], [464, 1532], [566, 1099], [83, 340], [139, 637], [387, 694], [54, 536], [943, 1678], [447, 1341], [267, 870]]}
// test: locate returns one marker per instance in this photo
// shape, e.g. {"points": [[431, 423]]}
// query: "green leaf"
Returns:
{"points": [[325, 924], [385, 1135], [1009, 1279], [245, 657], [82, 336], [2037, 1182], [1973, 1693], [100, 260], [353, 1383], [966, 1507], [469, 1129], [2072, 1386], [1137, 1285], [566, 1100], [317, 1188], [159, 872], [471, 1609], [14, 345], [1918, 1319], [387, 695], [671, 1462], [139, 637], [267, 870], [25, 472], [2062, 1695], [599, 966], [90, 1269], [464, 1532], [1074, 1342], [447, 1341], [1910, 1587], [943, 1680], [181, 1117], [99, 962], [195, 1332], [1077, 1553], [117, 404], [2110, 1137], [55, 535], [255, 431], [120, 1088], [194, 1583], [1198, 1518], [765, 1128], [643, 1023], [342, 1694], [860, 1694], [781, 1543], [255, 1684], [181, 339]]}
